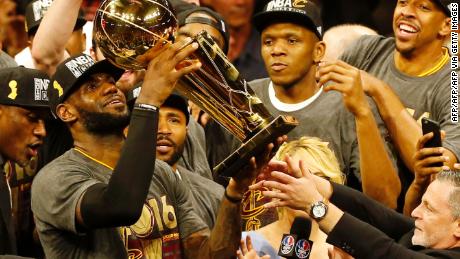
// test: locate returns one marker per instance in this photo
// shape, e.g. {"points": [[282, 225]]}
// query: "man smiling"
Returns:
{"points": [[410, 77]]}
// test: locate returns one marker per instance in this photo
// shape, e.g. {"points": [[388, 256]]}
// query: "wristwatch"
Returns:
{"points": [[318, 210]]}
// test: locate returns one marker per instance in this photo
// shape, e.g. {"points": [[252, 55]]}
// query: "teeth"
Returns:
{"points": [[407, 28]]}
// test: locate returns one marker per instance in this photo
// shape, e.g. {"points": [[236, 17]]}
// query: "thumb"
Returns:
{"points": [[304, 169]]}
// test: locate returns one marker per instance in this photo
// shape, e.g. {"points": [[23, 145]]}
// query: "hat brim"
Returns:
{"points": [[103, 66], [264, 19]]}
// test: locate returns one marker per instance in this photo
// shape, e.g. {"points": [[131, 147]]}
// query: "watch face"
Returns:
{"points": [[319, 211]]}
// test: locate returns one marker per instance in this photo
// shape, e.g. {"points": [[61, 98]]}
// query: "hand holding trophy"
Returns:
{"points": [[126, 29]]}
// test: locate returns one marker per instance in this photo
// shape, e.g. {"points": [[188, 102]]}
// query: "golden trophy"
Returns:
{"points": [[126, 29]]}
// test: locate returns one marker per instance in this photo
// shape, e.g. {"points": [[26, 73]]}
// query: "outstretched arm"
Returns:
{"points": [[55, 30], [375, 227], [404, 130], [224, 238], [378, 175]]}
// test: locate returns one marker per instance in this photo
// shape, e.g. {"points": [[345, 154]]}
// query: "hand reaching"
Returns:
{"points": [[239, 183], [295, 189], [424, 159], [247, 251]]}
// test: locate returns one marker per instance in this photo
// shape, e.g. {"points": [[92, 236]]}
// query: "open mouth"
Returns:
{"points": [[33, 148], [118, 100], [406, 31], [164, 146]]}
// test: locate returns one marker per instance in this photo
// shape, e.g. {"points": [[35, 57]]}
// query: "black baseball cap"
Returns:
{"points": [[35, 11], [219, 23], [175, 100], [72, 72], [304, 13], [24, 87], [445, 6]]}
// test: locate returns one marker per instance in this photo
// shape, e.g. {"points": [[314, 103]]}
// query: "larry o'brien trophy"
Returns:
{"points": [[126, 29]]}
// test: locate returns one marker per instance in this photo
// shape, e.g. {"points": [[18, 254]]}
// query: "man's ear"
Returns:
{"points": [[457, 229], [125, 131], [318, 52], [66, 112], [445, 29]]}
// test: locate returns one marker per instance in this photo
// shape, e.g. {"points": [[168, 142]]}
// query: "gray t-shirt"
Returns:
{"points": [[325, 118], [167, 216], [207, 195], [194, 155], [427, 96]]}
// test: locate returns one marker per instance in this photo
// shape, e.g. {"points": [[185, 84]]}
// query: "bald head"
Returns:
{"points": [[340, 37]]}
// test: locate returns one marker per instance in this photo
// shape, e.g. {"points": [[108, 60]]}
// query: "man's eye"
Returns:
{"points": [[292, 41], [268, 42]]}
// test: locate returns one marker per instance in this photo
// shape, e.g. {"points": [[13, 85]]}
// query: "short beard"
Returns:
{"points": [[178, 150], [99, 123]]}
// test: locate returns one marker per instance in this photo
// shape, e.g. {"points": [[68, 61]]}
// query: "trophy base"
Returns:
{"points": [[255, 145]]}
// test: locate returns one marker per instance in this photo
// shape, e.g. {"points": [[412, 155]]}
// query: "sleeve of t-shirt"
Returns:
{"points": [[54, 198], [359, 53], [441, 112], [187, 218]]}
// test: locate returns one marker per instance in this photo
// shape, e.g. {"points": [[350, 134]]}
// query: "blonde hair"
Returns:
{"points": [[320, 157]]}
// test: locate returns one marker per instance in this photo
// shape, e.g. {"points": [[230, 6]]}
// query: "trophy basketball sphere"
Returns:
{"points": [[126, 29]]}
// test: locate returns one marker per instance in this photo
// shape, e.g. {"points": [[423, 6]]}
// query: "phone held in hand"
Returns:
{"points": [[432, 126]]}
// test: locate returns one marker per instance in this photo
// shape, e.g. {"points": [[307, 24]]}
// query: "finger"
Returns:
{"points": [[186, 70], [428, 161], [275, 185], [257, 186], [265, 257], [282, 177], [425, 152], [180, 54], [421, 142], [275, 195], [443, 134], [249, 243], [335, 66], [243, 247], [304, 169], [277, 204], [457, 166], [154, 51], [334, 77], [238, 253], [294, 168], [278, 165]]}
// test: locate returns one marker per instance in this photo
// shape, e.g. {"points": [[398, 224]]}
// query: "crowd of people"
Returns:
{"points": [[102, 162]]}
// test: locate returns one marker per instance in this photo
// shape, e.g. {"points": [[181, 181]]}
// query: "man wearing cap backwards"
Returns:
{"points": [[408, 77], [172, 132], [74, 44], [23, 108], [292, 49], [78, 202]]}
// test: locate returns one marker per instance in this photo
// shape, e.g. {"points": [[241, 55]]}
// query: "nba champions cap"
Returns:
{"points": [[303, 12]]}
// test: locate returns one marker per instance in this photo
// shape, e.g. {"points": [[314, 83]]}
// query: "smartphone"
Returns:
{"points": [[432, 126]]}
